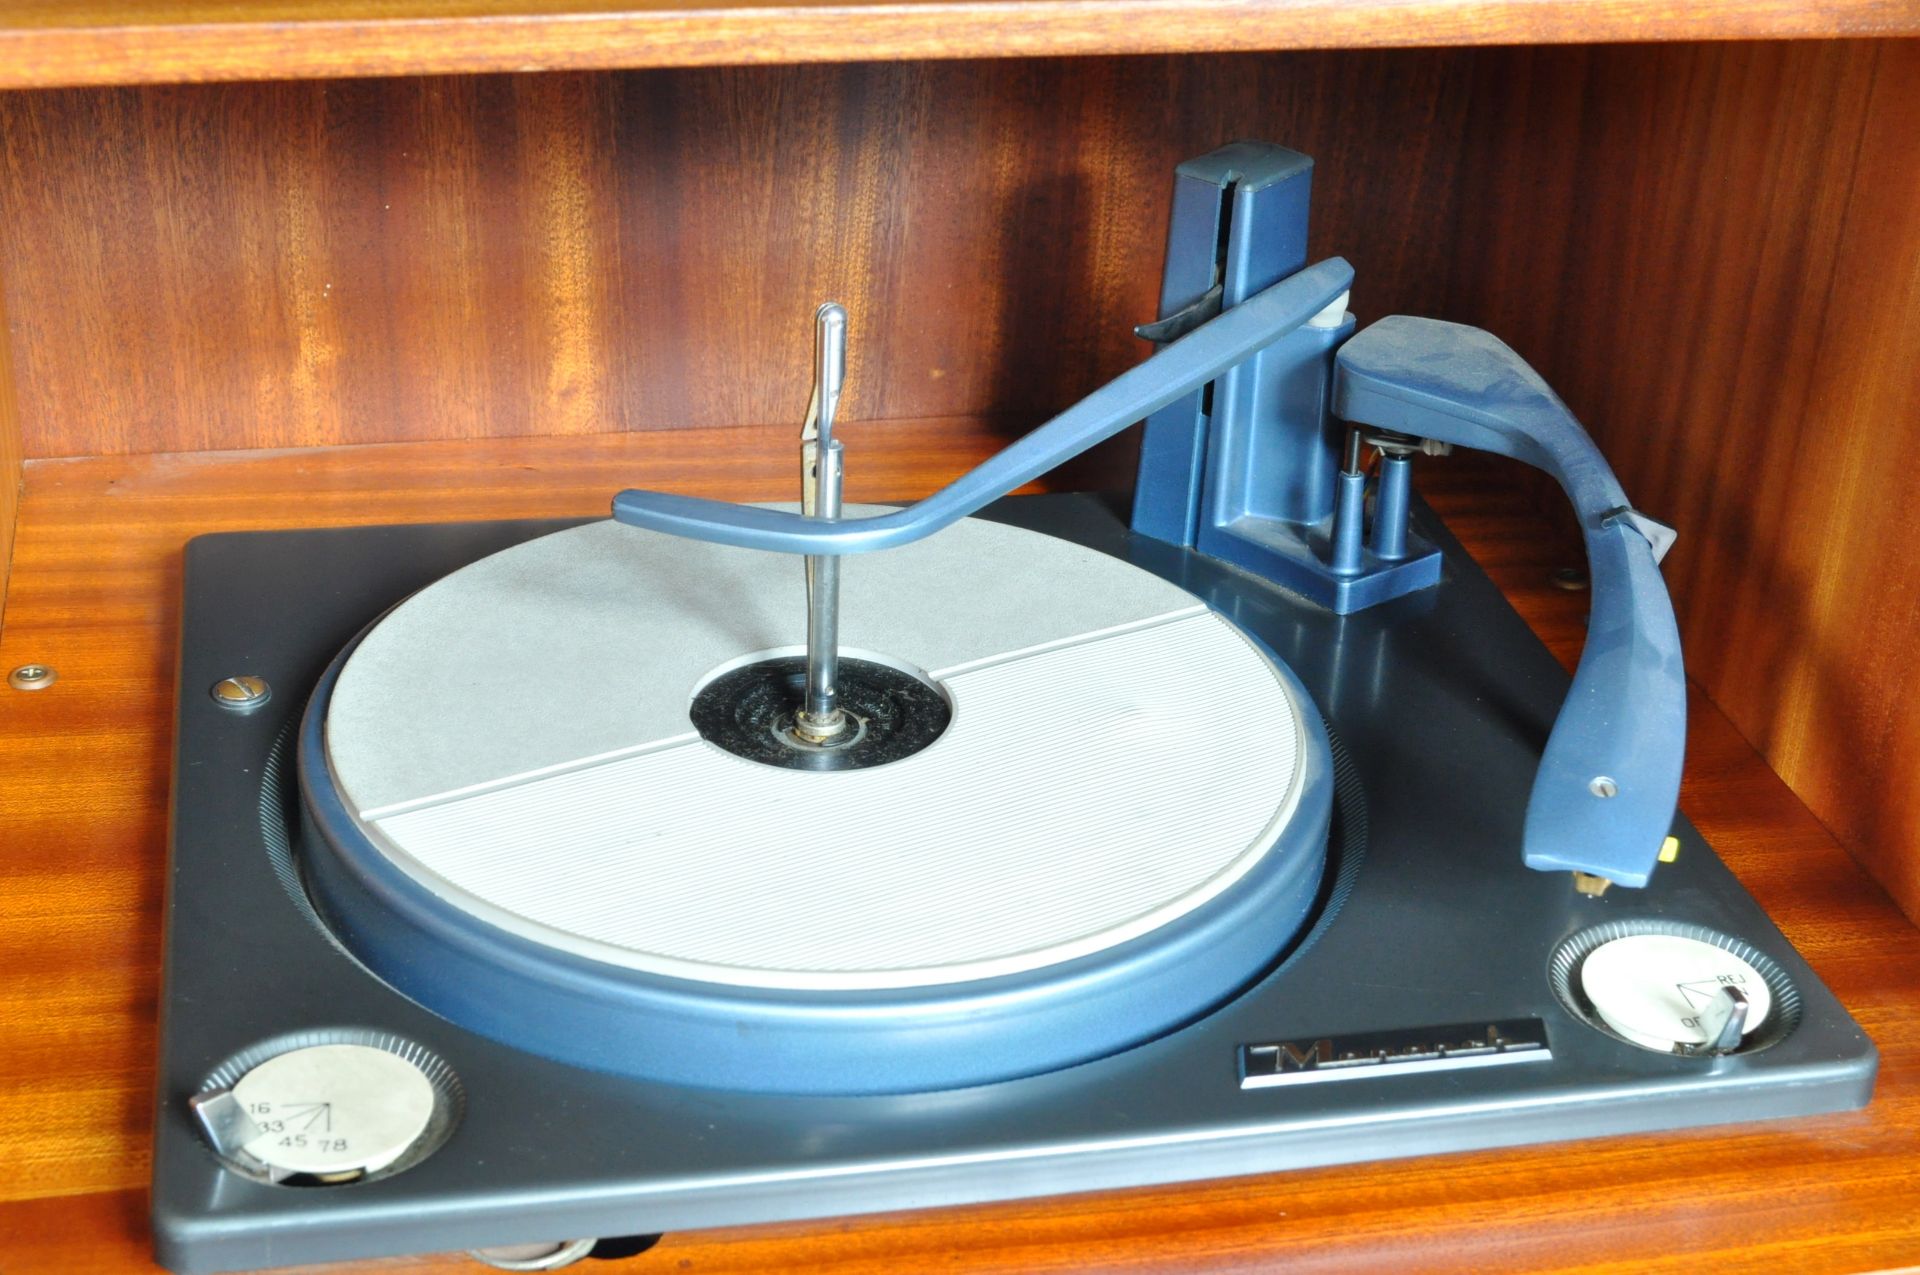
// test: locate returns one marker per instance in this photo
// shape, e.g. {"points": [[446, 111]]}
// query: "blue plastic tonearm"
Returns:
{"points": [[1174, 372], [1609, 780]]}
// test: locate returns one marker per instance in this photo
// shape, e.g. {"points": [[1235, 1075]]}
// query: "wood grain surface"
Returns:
{"points": [[46, 43], [291, 264], [10, 458], [1714, 256], [83, 783]]}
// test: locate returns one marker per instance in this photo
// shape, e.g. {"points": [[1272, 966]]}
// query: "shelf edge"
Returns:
{"points": [[777, 34]]}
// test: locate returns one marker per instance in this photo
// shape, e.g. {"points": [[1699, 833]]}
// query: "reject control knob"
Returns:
{"points": [[327, 1113], [1675, 995]]}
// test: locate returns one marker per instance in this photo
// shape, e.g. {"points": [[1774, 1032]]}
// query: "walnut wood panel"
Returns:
{"points": [[83, 779], [46, 43], [9, 460], [290, 264], [1714, 253]]}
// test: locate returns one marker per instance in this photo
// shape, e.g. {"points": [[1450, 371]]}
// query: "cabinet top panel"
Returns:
{"points": [[47, 43]]}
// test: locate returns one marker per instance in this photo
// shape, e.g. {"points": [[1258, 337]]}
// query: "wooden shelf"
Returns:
{"points": [[83, 799], [44, 43]]}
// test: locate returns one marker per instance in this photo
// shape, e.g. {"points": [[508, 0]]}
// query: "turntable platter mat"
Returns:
{"points": [[516, 738]]}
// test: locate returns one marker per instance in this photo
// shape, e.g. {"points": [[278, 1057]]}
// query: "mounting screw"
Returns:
{"points": [[1572, 579], [31, 677], [241, 694]]}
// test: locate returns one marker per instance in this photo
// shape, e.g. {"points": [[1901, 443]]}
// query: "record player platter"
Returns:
{"points": [[1115, 780]]}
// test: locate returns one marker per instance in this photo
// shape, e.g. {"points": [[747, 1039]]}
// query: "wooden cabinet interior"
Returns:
{"points": [[1712, 249], [10, 460], [320, 263]]}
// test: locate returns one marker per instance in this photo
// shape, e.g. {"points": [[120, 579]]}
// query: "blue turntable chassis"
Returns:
{"points": [[1421, 1016]]}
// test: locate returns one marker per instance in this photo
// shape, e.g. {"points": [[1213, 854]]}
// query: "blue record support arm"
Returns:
{"points": [[1175, 372], [1242, 461]]}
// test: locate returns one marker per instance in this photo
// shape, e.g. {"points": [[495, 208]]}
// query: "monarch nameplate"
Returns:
{"points": [[1402, 1052]]}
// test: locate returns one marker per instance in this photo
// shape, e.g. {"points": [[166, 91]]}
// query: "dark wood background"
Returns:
{"points": [[296, 264], [1712, 249], [10, 459]]}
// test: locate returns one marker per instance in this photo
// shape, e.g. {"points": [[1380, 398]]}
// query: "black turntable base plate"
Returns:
{"points": [[1447, 942]]}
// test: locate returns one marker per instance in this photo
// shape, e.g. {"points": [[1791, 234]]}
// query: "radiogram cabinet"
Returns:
{"points": [[342, 261]]}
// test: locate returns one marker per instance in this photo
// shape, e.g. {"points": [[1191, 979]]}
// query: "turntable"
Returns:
{"points": [[535, 884]]}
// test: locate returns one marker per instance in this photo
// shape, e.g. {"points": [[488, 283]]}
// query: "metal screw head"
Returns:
{"points": [[1572, 579], [241, 694], [31, 677]]}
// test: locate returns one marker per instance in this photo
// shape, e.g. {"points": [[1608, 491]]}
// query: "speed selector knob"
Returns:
{"points": [[1674, 995], [329, 1114]]}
